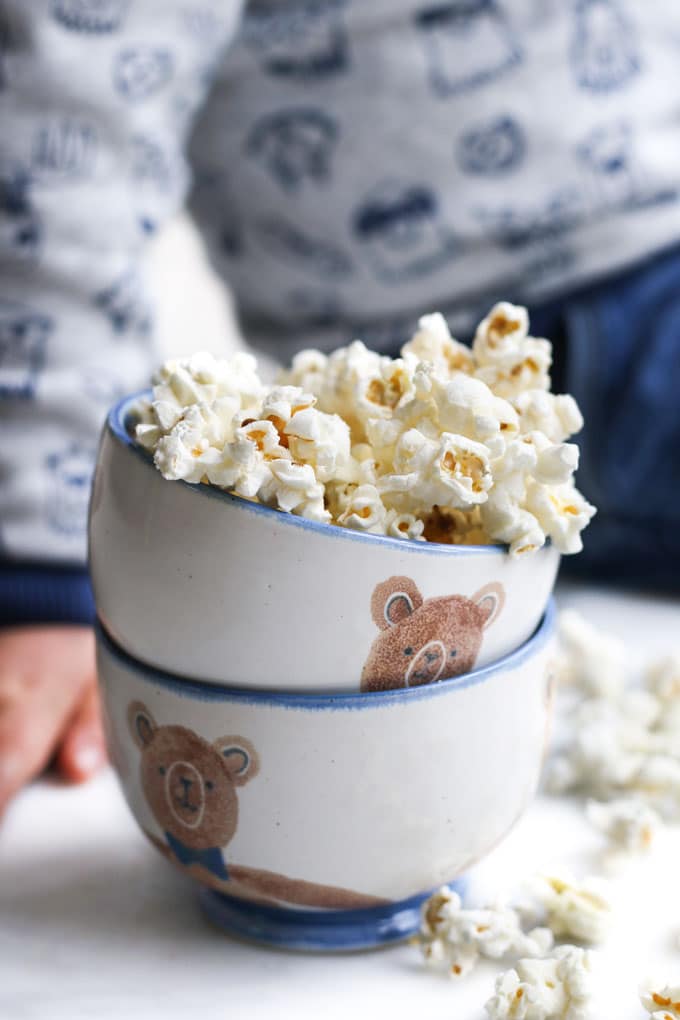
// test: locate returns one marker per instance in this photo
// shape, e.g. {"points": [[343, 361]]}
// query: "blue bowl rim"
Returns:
{"points": [[204, 691], [116, 425]]}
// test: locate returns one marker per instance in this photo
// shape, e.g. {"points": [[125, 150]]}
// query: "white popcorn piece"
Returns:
{"points": [[321, 440], [364, 511], [404, 526], [576, 910], [432, 342], [561, 512], [455, 938], [557, 416], [500, 332], [663, 678], [507, 522], [663, 1002], [627, 823], [527, 368], [558, 987], [307, 371], [595, 662], [508, 360], [453, 471]]}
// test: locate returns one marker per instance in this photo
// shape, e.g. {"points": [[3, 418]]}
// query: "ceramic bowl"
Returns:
{"points": [[322, 821], [206, 585]]}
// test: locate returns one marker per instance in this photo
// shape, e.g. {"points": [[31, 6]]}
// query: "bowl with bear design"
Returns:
{"points": [[190, 579], [322, 821]]}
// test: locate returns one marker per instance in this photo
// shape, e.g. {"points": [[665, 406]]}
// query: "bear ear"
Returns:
{"points": [[490, 599], [142, 724], [240, 757], [394, 600]]}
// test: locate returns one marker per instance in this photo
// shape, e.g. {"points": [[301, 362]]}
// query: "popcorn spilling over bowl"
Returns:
{"points": [[350, 567]]}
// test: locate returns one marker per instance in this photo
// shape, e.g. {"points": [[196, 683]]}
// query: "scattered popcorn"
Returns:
{"points": [[594, 662], [619, 740], [627, 823], [555, 988], [445, 443], [575, 910], [456, 938], [662, 1003]]}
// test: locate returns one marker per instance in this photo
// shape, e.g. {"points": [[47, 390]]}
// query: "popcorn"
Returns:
{"points": [[460, 527], [364, 511], [456, 938], [555, 988], [508, 360], [405, 526], [663, 1003], [562, 513], [453, 471], [594, 662], [501, 333], [294, 488], [556, 416], [663, 678], [433, 343], [622, 741], [627, 823], [445, 443], [577, 910]]}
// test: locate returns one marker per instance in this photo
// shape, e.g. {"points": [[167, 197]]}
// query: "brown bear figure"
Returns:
{"points": [[190, 786], [421, 642]]}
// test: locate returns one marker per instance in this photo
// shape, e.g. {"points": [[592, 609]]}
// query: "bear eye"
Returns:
{"points": [[454, 653], [208, 784], [161, 769], [408, 651]]}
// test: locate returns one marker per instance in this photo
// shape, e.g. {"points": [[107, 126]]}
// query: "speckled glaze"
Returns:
{"points": [[200, 583], [321, 821]]}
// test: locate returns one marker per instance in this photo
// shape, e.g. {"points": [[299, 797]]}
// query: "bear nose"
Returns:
{"points": [[431, 656], [186, 783]]}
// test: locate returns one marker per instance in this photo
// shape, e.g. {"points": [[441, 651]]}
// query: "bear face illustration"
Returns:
{"points": [[190, 784], [295, 145], [423, 641], [142, 71], [492, 147]]}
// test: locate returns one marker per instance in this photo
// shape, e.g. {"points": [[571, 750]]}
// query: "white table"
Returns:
{"points": [[95, 926]]}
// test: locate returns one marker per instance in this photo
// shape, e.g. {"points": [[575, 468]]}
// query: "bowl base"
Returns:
{"points": [[317, 930]]}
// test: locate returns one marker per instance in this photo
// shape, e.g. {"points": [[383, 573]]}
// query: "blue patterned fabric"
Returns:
{"points": [[349, 165]]}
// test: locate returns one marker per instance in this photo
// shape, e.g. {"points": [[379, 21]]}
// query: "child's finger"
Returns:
{"points": [[32, 718], [83, 751]]}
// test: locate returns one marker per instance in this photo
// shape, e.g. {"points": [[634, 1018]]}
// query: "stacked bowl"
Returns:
{"points": [[319, 726]]}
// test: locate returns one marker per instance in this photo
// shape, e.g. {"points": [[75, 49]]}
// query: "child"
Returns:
{"points": [[353, 165]]}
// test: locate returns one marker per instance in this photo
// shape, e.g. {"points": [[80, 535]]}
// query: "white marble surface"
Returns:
{"points": [[95, 926]]}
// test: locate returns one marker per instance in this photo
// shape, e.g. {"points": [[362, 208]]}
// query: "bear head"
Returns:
{"points": [[190, 784], [421, 642]]}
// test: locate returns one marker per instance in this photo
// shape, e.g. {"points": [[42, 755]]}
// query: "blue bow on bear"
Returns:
{"points": [[211, 858]]}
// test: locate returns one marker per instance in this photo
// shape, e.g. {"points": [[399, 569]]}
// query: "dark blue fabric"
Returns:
{"points": [[32, 593], [622, 364]]}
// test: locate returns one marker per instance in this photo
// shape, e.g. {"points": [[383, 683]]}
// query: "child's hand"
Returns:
{"points": [[48, 705]]}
